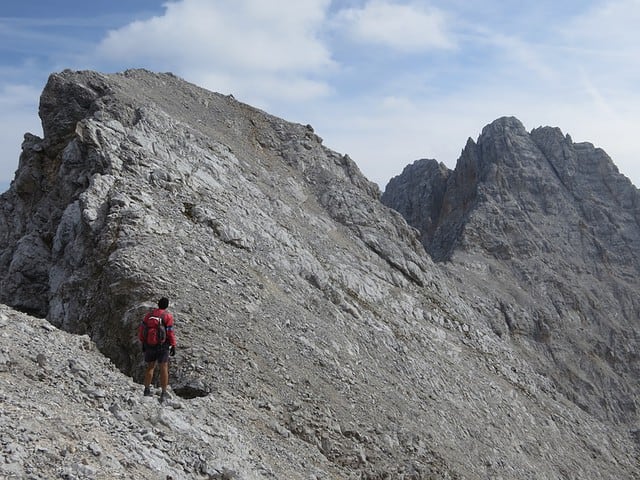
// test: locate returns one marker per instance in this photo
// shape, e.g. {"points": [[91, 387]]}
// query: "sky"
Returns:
{"points": [[387, 82]]}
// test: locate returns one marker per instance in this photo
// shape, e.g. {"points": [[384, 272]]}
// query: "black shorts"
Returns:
{"points": [[156, 353]]}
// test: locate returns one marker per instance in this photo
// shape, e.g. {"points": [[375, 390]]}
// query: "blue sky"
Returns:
{"points": [[385, 81]]}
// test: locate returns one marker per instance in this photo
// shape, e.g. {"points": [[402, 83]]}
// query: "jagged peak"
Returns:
{"points": [[558, 223], [425, 165], [542, 172], [504, 125], [549, 131]]}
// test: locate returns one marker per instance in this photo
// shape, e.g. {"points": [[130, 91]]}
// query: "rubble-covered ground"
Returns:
{"points": [[67, 412]]}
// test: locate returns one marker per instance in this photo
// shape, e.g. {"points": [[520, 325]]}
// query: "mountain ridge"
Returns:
{"points": [[306, 311]]}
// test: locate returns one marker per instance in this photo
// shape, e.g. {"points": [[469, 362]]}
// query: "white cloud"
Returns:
{"points": [[17, 96], [411, 27], [18, 104], [604, 46], [385, 134], [609, 28], [248, 39], [262, 90], [520, 56]]}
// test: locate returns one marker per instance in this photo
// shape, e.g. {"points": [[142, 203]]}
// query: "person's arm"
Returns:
{"points": [[171, 336]]}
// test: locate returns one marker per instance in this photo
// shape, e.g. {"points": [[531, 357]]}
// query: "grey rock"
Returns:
{"points": [[418, 194], [292, 287], [550, 230]]}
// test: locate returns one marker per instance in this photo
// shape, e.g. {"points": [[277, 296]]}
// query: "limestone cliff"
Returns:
{"points": [[551, 230], [317, 339]]}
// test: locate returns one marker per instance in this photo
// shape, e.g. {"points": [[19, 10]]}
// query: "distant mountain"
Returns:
{"points": [[550, 229], [316, 336]]}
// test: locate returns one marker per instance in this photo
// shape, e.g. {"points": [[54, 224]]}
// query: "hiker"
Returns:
{"points": [[158, 343]]}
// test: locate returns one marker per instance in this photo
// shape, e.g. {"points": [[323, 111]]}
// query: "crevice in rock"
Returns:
{"points": [[191, 391]]}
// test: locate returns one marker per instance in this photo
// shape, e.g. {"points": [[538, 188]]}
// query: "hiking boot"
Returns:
{"points": [[163, 396], [147, 391]]}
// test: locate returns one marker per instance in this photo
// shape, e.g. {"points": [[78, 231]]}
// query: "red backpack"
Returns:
{"points": [[154, 331]]}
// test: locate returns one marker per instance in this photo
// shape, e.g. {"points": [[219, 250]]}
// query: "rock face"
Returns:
{"points": [[551, 230], [316, 338]]}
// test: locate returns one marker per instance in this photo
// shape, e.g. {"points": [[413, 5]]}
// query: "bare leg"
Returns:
{"points": [[164, 376], [148, 374]]}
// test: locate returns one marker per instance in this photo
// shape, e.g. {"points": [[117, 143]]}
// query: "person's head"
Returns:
{"points": [[163, 303]]}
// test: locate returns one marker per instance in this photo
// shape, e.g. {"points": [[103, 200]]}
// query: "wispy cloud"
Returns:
{"points": [[411, 27], [520, 56], [18, 104], [218, 43], [17, 95], [608, 26]]}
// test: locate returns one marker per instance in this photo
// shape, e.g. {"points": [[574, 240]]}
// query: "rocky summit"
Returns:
{"points": [[550, 230], [491, 334]]}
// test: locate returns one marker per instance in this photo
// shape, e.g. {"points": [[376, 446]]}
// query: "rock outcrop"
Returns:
{"points": [[317, 339], [551, 230]]}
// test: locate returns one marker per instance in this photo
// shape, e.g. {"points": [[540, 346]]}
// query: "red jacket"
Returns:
{"points": [[167, 319]]}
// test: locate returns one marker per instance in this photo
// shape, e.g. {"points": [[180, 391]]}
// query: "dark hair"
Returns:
{"points": [[163, 303]]}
